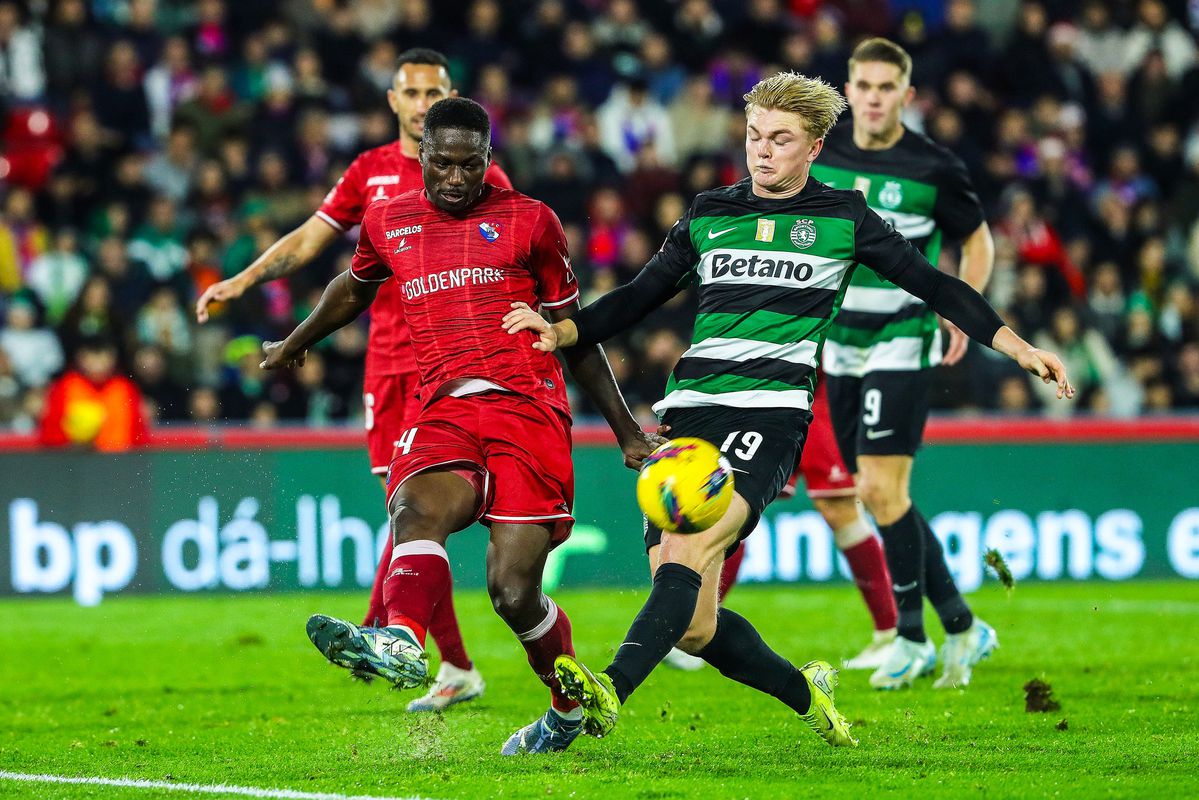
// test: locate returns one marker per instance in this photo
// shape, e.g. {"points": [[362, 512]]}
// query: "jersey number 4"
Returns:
{"points": [[404, 443]]}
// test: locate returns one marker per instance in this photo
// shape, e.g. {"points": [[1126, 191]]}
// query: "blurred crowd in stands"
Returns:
{"points": [[151, 147]]}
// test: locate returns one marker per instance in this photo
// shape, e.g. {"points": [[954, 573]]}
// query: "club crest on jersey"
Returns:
{"points": [[803, 233], [489, 230], [891, 195]]}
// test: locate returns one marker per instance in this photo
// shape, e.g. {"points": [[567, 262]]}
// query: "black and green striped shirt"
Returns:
{"points": [[770, 276], [924, 192]]}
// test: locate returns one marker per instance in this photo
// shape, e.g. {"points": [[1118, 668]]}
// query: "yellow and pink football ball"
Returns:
{"points": [[685, 486]]}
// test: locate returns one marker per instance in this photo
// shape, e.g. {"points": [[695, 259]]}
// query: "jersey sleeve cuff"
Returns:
{"points": [[337, 226], [358, 277], [560, 303]]}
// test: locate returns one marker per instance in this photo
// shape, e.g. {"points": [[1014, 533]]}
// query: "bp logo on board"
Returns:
{"points": [[803, 234], [891, 195]]}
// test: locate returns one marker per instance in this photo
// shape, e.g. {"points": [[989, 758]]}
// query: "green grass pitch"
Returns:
{"points": [[228, 690]]}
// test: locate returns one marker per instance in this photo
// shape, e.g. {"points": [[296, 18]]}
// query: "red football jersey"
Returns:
{"points": [[379, 174], [456, 277]]}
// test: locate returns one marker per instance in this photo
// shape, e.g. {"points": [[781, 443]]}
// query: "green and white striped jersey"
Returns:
{"points": [[770, 275], [923, 191]]}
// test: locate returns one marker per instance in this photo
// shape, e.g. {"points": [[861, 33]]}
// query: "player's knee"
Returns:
{"points": [[697, 637], [880, 497], [410, 522], [698, 550], [837, 511], [692, 550], [514, 601]]}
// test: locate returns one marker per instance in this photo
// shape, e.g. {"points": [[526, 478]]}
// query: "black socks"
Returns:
{"points": [[942, 592], [904, 544], [738, 652], [918, 568], [662, 622]]}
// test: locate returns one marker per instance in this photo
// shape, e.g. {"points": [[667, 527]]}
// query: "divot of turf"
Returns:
{"points": [[1038, 697], [993, 559]]}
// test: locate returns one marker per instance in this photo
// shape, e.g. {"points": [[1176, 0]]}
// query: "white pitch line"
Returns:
{"points": [[195, 788]]}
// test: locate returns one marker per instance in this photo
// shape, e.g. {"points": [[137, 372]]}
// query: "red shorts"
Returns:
{"points": [[517, 449], [820, 464], [391, 408]]}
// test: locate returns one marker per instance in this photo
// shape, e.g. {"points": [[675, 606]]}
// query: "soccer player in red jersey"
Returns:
{"points": [[492, 440], [422, 78], [831, 489]]}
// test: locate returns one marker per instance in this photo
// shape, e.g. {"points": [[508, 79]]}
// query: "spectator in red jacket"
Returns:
{"points": [[1037, 242], [92, 406]]}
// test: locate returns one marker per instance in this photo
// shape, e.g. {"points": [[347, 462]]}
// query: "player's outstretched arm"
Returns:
{"points": [[591, 369], [289, 254], [957, 302], [666, 273], [343, 300], [878, 247], [615, 312]]}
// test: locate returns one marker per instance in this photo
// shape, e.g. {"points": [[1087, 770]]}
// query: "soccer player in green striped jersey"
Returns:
{"points": [[773, 256], [881, 349]]}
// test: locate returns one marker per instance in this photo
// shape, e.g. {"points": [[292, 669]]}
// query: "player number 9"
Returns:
{"points": [[873, 401]]}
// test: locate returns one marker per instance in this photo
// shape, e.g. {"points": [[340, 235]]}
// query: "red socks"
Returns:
{"points": [[869, 566], [376, 612], [544, 643], [443, 627], [417, 580]]}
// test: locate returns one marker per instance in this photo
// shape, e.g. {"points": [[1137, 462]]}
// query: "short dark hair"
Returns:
{"points": [[422, 55], [884, 50], [458, 112]]}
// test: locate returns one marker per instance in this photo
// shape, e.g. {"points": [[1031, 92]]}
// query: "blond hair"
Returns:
{"points": [[885, 51], [815, 102]]}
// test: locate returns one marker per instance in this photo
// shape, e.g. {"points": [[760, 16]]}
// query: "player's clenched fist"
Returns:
{"points": [[278, 358], [523, 318]]}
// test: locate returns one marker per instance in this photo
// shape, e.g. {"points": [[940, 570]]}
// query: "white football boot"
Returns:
{"points": [[453, 685], [875, 653], [677, 659], [962, 651], [905, 662]]}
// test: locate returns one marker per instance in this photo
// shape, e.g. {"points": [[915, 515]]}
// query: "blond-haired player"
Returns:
{"points": [[772, 255]]}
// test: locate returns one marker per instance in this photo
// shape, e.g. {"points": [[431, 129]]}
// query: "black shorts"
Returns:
{"points": [[880, 414], [761, 444]]}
